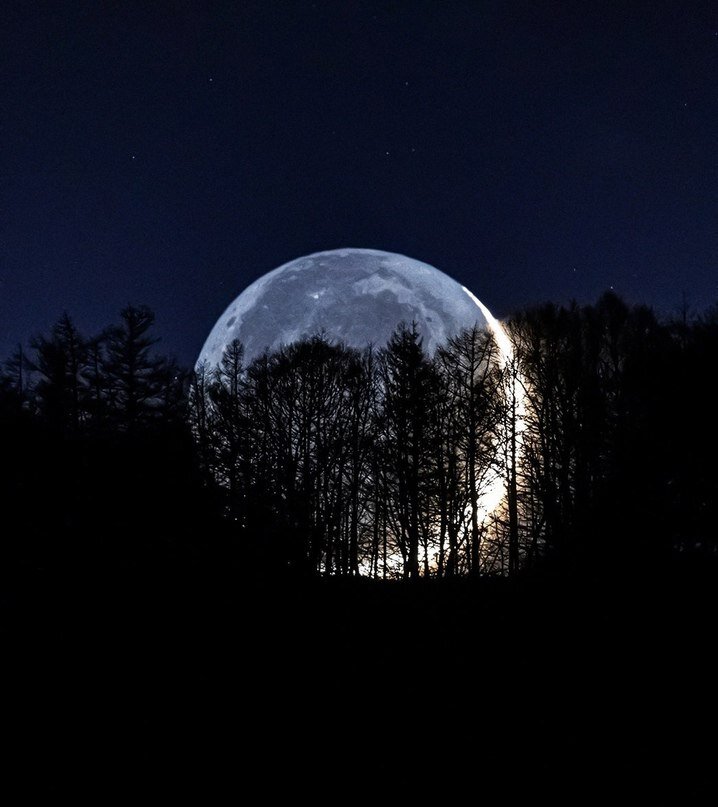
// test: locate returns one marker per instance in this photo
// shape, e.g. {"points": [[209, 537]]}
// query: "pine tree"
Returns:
{"points": [[137, 381], [59, 364]]}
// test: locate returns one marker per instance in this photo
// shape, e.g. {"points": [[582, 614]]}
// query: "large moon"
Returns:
{"points": [[356, 296]]}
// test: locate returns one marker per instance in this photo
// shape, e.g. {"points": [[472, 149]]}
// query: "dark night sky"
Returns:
{"points": [[169, 154]]}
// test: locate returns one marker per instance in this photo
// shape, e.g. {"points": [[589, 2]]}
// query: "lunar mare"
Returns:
{"points": [[355, 296]]}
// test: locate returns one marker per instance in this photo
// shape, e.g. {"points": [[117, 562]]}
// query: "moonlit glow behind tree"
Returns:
{"points": [[495, 494], [319, 309]]}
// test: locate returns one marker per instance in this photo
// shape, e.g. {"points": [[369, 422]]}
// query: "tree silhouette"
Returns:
{"points": [[59, 364], [139, 384], [408, 385], [470, 368], [320, 459]]}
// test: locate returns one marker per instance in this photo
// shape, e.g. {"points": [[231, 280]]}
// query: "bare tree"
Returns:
{"points": [[470, 367], [408, 384]]}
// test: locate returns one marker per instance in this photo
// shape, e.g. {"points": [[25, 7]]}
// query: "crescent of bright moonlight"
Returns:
{"points": [[355, 296]]}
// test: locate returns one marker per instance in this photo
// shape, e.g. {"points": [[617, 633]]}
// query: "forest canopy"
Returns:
{"points": [[593, 443]]}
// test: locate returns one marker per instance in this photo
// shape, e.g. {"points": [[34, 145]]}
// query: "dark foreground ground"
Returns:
{"points": [[183, 679]]}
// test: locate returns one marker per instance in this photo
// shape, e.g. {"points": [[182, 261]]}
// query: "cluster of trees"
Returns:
{"points": [[358, 462], [96, 457], [620, 439], [595, 441], [110, 381], [396, 463]]}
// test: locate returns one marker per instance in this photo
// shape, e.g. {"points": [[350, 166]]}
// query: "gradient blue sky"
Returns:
{"points": [[169, 154]]}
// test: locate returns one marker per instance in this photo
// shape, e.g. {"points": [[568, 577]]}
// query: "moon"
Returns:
{"points": [[355, 296]]}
